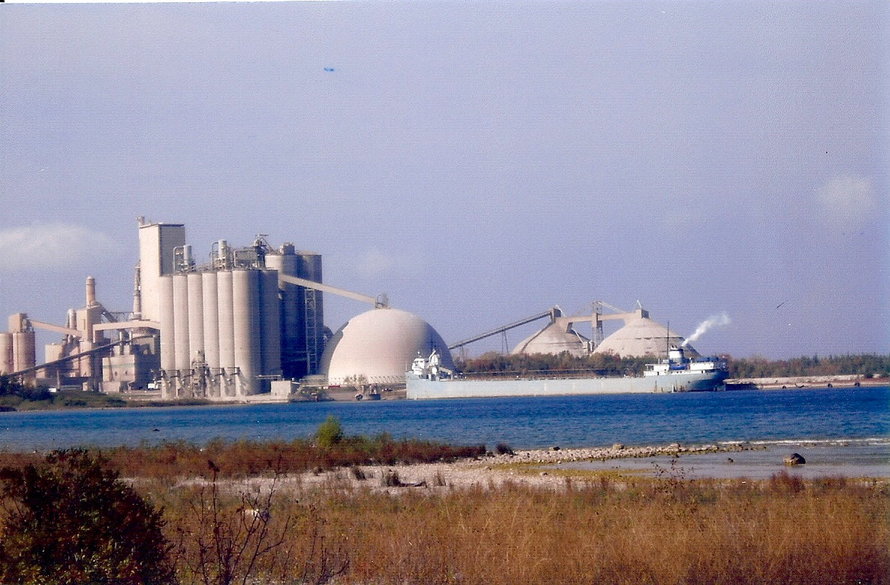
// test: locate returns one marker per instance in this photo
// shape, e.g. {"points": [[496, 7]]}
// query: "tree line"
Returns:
{"points": [[869, 365]]}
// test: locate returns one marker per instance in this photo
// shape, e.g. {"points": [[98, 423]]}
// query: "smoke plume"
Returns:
{"points": [[720, 320]]}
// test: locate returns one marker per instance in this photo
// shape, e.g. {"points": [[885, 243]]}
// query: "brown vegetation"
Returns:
{"points": [[237, 459], [667, 531], [368, 526]]}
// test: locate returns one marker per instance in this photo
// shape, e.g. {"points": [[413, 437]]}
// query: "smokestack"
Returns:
{"points": [[91, 291], [137, 294]]}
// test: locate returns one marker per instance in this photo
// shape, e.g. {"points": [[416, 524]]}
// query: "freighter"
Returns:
{"points": [[428, 379]]}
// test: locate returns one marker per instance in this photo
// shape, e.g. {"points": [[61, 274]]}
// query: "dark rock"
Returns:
{"points": [[795, 459]]}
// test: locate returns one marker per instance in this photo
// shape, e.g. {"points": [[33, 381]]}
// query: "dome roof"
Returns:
{"points": [[378, 346], [642, 337], [553, 339]]}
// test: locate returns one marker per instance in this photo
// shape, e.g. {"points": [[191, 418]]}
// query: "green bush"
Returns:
{"points": [[70, 520], [329, 433]]}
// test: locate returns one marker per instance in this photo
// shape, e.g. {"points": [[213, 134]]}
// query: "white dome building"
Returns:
{"points": [[641, 336], [554, 339], [378, 346]]}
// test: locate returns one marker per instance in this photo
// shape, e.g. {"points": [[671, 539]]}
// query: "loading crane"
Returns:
{"points": [[563, 322], [553, 312]]}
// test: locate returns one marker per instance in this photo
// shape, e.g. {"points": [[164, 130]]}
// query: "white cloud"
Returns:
{"points": [[846, 202], [375, 263], [51, 245]]}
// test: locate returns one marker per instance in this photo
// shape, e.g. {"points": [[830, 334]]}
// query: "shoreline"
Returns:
{"points": [[139, 399], [555, 468]]}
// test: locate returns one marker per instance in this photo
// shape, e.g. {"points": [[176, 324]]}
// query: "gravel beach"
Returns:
{"points": [[539, 467]]}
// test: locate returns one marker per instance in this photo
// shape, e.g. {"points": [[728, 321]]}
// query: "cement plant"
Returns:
{"points": [[247, 324]]}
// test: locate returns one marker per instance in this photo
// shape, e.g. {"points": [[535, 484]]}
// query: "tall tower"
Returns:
{"points": [[157, 242]]}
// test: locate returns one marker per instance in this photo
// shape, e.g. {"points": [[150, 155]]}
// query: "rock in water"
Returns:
{"points": [[795, 459]]}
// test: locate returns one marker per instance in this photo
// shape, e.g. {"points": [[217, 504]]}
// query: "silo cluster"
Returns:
{"points": [[230, 327], [18, 350]]}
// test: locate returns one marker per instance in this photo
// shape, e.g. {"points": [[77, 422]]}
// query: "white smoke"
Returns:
{"points": [[720, 320]]}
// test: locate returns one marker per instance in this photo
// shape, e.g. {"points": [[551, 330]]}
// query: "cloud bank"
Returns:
{"points": [[51, 246], [847, 202]]}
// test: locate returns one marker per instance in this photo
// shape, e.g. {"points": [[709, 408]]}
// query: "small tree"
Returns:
{"points": [[71, 520], [329, 433]]}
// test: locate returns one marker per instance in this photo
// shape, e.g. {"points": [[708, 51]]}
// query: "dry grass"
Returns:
{"points": [[633, 530], [649, 531]]}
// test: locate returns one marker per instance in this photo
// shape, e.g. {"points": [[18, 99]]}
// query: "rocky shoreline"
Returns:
{"points": [[495, 469]]}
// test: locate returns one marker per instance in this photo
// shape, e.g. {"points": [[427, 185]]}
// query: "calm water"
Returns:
{"points": [[824, 458], [568, 421]]}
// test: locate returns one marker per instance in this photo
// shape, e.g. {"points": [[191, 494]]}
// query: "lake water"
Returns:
{"points": [[831, 414], [762, 459]]}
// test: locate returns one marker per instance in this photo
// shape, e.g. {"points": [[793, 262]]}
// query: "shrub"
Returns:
{"points": [[390, 478], [503, 449], [71, 520], [329, 433]]}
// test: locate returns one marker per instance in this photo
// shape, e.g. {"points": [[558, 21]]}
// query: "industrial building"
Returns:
{"points": [[247, 323], [639, 335], [231, 326], [242, 323], [377, 347], [225, 328]]}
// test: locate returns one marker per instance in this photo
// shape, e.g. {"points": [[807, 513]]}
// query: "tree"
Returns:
{"points": [[71, 520], [329, 433]]}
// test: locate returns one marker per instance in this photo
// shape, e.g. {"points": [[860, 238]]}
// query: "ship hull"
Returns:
{"points": [[424, 389]]}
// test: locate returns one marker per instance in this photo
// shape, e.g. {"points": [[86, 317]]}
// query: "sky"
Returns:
{"points": [[478, 162]]}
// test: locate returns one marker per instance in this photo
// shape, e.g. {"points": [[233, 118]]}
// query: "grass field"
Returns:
{"points": [[263, 524]]}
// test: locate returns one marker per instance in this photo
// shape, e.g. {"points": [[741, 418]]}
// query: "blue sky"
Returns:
{"points": [[479, 162]]}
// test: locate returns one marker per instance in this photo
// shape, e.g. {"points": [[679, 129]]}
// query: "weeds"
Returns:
{"points": [[250, 458], [664, 531], [390, 478], [503, 449]]}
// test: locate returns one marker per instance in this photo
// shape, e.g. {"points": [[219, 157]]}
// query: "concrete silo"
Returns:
{"points": [[210, 323], [270, 324], [24, 342], [226, 320], [231, 326], [165, 305], [246, 317], [196, 312], [6, 359], [181, 321], [302, 310]]}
